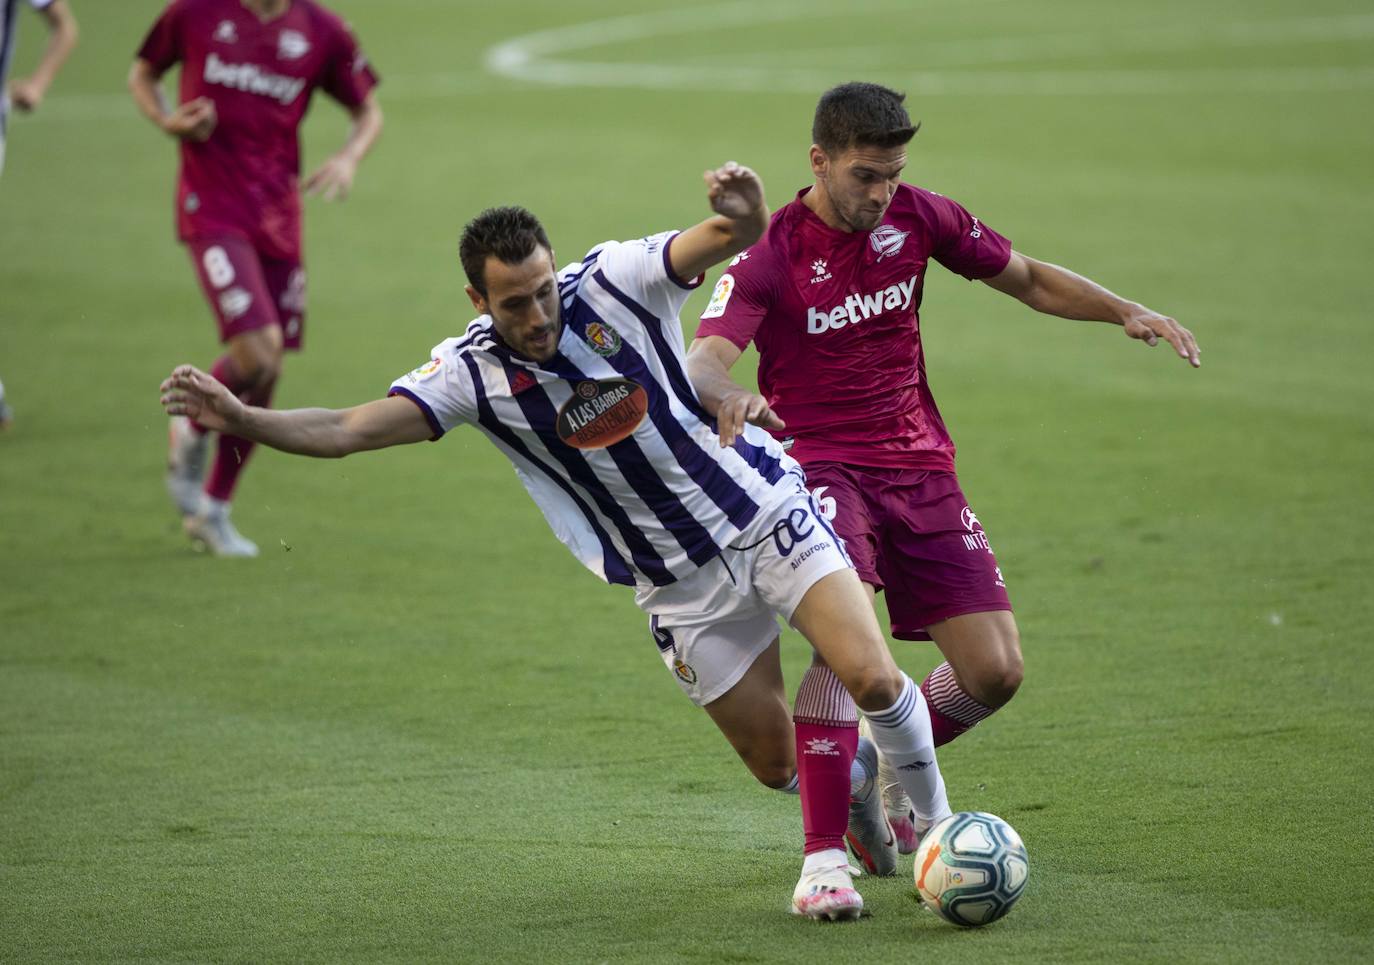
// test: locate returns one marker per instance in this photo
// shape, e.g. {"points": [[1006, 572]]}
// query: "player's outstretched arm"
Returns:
{"points": [[27, 92], [736, 195], [334, 178], [708, 366], [328, 433], [1057, 291]]}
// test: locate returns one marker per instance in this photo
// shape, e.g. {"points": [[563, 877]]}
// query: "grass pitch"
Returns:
{"points": [[417, 730]]}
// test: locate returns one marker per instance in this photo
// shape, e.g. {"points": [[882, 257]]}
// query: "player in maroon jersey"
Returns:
{"points": [[830, 296], [248, 70]]}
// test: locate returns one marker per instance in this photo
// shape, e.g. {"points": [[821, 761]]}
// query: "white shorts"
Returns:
{"points": [[712, 626]]}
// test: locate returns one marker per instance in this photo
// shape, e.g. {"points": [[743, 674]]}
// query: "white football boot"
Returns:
{"points": [[212, 527], [900, 814], [186, 452], [871, 839], [827, 891]]}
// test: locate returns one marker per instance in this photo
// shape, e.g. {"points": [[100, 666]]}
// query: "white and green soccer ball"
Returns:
{"points": [[970, 868]]}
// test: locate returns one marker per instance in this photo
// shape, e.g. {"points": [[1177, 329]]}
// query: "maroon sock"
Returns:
{"points": [[827, 725], [232, 452], [952, 711]]}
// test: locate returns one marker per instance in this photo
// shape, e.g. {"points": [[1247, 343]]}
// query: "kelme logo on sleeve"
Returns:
{"points": [[601, 413]]}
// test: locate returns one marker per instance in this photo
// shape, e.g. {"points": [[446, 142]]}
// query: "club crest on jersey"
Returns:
{"points": [[601, 412], [720, 297], [226, 32], [292, 45], [604, 340], [887, 240]]}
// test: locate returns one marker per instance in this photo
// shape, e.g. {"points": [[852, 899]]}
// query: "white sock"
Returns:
{"points": [[823, 859], [902, 733]]}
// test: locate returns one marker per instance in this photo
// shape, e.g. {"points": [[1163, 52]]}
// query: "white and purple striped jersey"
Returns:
{"points": [[608, 435]]}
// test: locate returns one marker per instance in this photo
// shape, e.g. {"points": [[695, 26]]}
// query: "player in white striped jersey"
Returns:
{"points": [[27, 93], [578, 377]]}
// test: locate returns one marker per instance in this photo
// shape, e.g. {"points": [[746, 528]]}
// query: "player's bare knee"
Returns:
{"points": [[875, 688], [771, 766], [776, 777], [997, 682]]}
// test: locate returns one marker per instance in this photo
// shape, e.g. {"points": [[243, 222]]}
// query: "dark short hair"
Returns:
{"points": [[857, 114], [510, 234]]}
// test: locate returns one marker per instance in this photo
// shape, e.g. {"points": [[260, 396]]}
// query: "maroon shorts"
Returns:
{"points": [[911, 532], [247, 291]]}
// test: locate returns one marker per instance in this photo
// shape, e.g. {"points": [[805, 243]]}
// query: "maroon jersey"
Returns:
{"points": [[834, 316], [243, 180]]}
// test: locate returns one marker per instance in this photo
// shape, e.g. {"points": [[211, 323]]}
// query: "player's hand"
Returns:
{"points": [[334, 179], [193, 121], [26, 93], [740, 407], [733, 190], [190, 392], [1150, 326]]}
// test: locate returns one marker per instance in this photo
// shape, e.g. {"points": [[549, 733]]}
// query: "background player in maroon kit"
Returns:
{"points": [[830, 296], [248, 70]]}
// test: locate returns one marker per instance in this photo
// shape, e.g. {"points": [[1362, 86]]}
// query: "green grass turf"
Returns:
{"points": [[417, 730]]}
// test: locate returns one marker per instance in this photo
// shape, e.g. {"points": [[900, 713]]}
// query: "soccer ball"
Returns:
{"points": [[970, 868]]}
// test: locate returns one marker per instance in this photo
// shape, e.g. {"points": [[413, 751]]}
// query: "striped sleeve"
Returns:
{"points": [[441, 388], [642, 270]]}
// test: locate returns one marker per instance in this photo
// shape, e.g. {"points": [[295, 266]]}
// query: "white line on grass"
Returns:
{"points": [[539, 57]]}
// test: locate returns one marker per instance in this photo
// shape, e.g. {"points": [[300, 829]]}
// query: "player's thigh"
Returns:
{"points": [[234, 283], [935, 559], [286, 283], [799, 567], [837, 619]]}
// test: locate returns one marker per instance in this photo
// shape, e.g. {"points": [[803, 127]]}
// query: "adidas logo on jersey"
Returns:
{"points": [[252, 79], [857, 308]]}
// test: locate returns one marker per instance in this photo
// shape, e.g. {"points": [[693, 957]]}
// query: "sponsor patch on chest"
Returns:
{"points": [[601, 412], [859, 307]]}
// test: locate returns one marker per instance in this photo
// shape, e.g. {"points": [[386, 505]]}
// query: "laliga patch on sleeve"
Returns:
{"points": [[720, 297], [427, 371]]}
